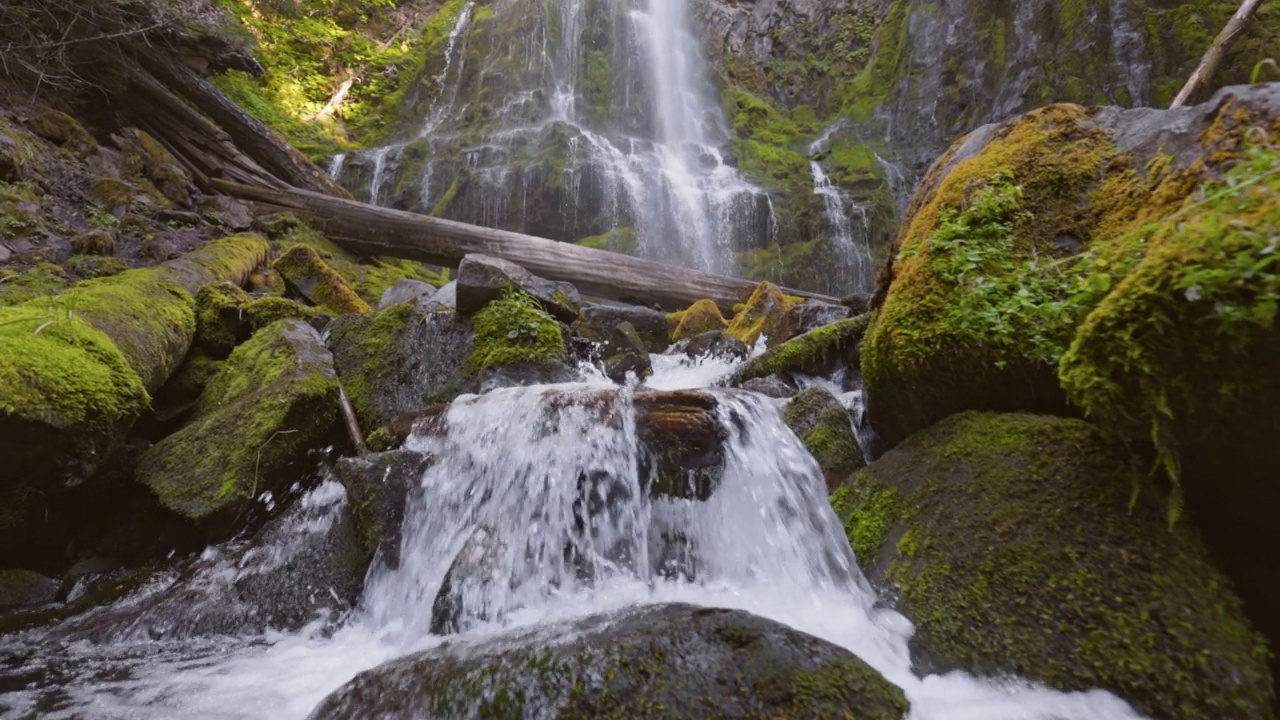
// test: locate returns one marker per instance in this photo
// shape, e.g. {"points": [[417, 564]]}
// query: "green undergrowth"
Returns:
{"points": [[514, 330]]}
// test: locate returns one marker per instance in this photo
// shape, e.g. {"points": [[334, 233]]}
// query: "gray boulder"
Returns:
{"points": [[404, 291], [597, 322], [482, 278]]}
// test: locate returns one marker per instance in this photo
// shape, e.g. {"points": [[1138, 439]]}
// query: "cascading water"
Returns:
{"points": [[586, 118], [538, 494], [852, 251]]}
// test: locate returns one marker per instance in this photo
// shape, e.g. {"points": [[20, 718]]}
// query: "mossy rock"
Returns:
{"points": [[61, 128], [219, 319], [147, 158], [274, 401], [514, 330], [91, 267], [307, 274], [266, 280], [597, 322], [113, 193], [700, 317], [817, 352], [1018, 233], [826, 429], [763, 313], [26, 587], [634, 665], [401, 359], [99, 241], [1015, 544]]}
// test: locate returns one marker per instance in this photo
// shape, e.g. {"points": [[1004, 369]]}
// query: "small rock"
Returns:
{"points": [[227, 212], [774, 386], [160, 247], [808, 315], [482, 278], [405, 291], [112, 193], [625, 353], [95, 266], [11, 163], [446, 298], [308, 275], [24, 587], [715, 343], [178, 218], [277, 225], [98, 241], [61, 128], [857, 303], [266, 280], [472, 573]]}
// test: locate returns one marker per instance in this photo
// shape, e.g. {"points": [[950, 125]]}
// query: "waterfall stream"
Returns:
{"points": [[509, 470], [587, 119]]}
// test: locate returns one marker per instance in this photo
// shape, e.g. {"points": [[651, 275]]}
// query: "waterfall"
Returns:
{"points": [[852, 253], [588, 117]]}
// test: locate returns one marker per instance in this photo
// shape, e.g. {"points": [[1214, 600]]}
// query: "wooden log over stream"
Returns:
{"points": [[377, 231]]}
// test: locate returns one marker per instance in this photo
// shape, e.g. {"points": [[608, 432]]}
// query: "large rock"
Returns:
{"points": [[763, 313], [307, 563], [380, 486], [826, 429], [596, 323], [1017, 544], [273, 402], [808, 315], [1024, 229], [660, 662], [482, 279]]}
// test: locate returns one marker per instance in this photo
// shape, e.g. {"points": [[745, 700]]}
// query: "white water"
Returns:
{"points": [[766, 542]]}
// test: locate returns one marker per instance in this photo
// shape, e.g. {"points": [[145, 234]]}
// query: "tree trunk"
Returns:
{"points": [[1213, 57], [377, 231]]}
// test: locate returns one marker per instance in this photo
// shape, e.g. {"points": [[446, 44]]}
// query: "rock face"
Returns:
{"points": [[826, 429], [482, 279], [635, 665], [305, 563], [807, 316], [273, 401], [1016, 544]]}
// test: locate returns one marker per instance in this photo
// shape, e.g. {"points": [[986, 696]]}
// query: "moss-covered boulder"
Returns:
{"points": [[700, 317], [26, 587], [763, 313], [826, 429], [817, 352], [308, 275], [226, 316], [483, 279], [402, 359], [634, 665], [1024, 229], [1016, 544], [273, 401], [62, 129], [99, 241], [147, 158], [514, 330], [806, 316]]}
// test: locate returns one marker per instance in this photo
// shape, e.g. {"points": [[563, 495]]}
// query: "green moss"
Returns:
{"points": [[382, 273], [308, 274], [274, 399], [700, 317], [619, 240], [219, 326], [441, 208], [515, 330], [264, 311], [810, 353], [90, 267], [19, 283], [826, 430], [762, 314], [1016, 547]]}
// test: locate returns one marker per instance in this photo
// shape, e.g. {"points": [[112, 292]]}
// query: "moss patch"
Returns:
{"points": [[700, 317], [307, 274], [1017, 547], [763, 313], [812, 353], [515, 330], [826, 430]]}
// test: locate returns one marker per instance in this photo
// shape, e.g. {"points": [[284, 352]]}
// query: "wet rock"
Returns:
{"points": [[379, 487], [774, 386], [763, 313], [403, 358], [596, 323], [808, 315], [405, 291], [817, 352], [633, 664], [701, 317], [625, 354], [482, 279], [474, 573], [978, 525], [25, 587], [714, 343], [273, 402], [308, 275], [99, 241], [826, 429], [682, 441], [307, 563]]}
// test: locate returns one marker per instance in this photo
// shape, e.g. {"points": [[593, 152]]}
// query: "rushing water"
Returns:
{"points": [[587, 118], [507, 482]]}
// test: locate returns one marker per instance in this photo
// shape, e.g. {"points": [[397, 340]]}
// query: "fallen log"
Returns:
{"points": [[1234, 28], [377, 231]]}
